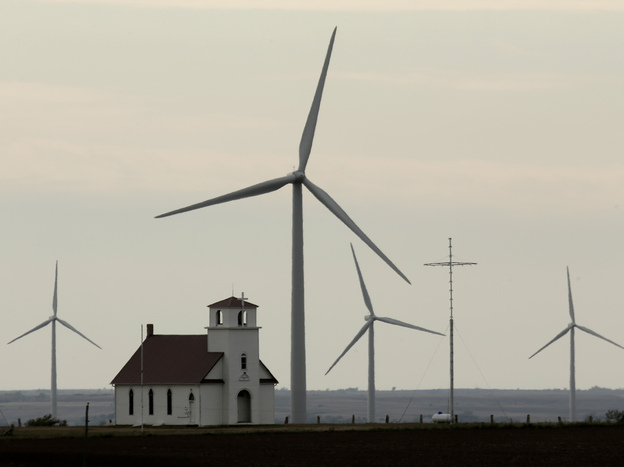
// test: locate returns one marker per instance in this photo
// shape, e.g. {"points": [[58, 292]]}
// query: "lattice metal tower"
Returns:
{"points": [[450, 263]]}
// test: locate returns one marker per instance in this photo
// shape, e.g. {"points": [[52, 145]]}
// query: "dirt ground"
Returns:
{"points": [[325, 445]]}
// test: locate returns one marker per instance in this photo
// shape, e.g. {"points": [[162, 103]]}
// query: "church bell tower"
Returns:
{"points": [[233, 330]]}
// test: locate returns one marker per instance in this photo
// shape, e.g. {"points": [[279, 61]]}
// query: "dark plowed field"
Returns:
{"points": [[323, 445]]}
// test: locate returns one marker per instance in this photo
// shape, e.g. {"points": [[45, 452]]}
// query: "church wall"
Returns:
{"points": [[212, 406], [266, 404], [182, 411], [235, 342]]}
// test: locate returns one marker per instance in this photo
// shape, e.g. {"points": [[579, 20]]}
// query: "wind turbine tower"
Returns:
{"points": [[52, 320], [449, 264], [369, 326], [298, 179], [570, 328]]}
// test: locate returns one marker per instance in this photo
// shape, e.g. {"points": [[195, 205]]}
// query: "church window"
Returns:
{"points": [[219, 318], [243, 361], [169, 403], [191, 397], [242, 318], [151, 402], [131, 402]]}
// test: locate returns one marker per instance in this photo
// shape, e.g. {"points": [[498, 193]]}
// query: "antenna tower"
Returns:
{"points": [[450, 263]]}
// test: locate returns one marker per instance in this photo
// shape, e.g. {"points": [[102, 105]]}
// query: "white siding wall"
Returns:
{"points": [[212, 404], [180, 404], [266, 404]]}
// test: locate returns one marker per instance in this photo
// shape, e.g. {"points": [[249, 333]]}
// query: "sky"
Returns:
{"points": [[498, 124]]}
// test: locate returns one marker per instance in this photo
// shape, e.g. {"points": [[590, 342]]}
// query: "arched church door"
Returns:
{"points": [[244, 407]]}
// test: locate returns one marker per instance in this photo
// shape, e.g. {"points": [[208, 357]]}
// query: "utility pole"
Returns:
{"points": [[450, 263]]}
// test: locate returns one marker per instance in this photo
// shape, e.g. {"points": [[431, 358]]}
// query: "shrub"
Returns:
{"points": [[616, 416], [46, 420]]}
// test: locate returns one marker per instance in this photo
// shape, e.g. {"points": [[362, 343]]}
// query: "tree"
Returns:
{"points": [[616, 416]]}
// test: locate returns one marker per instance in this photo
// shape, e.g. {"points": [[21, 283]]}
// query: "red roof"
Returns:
{"points": [[170, 359], [232, 302]]}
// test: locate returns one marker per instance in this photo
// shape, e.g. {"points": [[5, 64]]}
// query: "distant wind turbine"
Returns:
{"points": [[53, 319], [369, 326], [297, 179], [570, 329]]}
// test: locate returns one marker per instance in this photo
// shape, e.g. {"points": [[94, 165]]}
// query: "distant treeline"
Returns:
{"points": [[43, 395]]}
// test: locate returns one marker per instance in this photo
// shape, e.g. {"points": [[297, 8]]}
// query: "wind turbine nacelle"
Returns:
{"points": [[441, 418]]}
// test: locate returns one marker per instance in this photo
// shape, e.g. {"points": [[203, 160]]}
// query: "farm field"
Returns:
{"points": [[364, 444]]}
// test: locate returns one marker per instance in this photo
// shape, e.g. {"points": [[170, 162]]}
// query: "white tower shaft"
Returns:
{"points": [[298, 399], [371, 373]]}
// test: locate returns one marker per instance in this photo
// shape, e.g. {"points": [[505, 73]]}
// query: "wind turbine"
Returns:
{"points": [[369, 326], [570, 328], [53, 319], [297, 179]]}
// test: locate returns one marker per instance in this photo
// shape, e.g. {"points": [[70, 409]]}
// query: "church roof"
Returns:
{"points": [[170, 359], [232, 302]]}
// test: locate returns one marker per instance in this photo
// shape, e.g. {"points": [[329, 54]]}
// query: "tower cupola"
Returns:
{"points": [[232, 313]]}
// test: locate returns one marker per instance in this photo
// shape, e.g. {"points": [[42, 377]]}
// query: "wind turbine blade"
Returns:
{"points": [[406, 325], [570, 304], [44, 324], [54, 301], [305, 146], [367, 300], [355, 339], [254, 190], [69, 326], [558, 336], [330, 204], [593, 333]]}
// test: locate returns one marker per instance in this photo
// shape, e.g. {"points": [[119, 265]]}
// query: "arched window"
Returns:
{"points": [[242, 318], [151, 402], [191, 409], [219, 318], [169, 403], [131, 402], [244, 361]]}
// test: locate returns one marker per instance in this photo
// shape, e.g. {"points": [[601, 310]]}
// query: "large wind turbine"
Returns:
{"points": [[570, 329], [297, 179], [369, 326], [53, 319]]}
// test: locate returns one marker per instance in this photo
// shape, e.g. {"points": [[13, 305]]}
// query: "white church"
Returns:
{"points": [[208, 379]]}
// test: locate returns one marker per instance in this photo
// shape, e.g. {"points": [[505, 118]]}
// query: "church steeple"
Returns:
{"points": [[233, 330]]}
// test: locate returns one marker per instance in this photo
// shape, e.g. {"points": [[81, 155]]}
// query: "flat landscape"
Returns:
{"points": [[342, 406], [341, 438]]}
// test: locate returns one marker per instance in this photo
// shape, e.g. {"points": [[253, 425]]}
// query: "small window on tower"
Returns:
{"points": [[219, 318], [242, 318], [243, 361]]}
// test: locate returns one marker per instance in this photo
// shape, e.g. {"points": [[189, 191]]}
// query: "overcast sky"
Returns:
{"points": [[497, 127]]}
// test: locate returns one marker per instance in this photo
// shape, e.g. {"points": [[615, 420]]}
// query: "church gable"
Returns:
{"points": [[266, 376]]}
